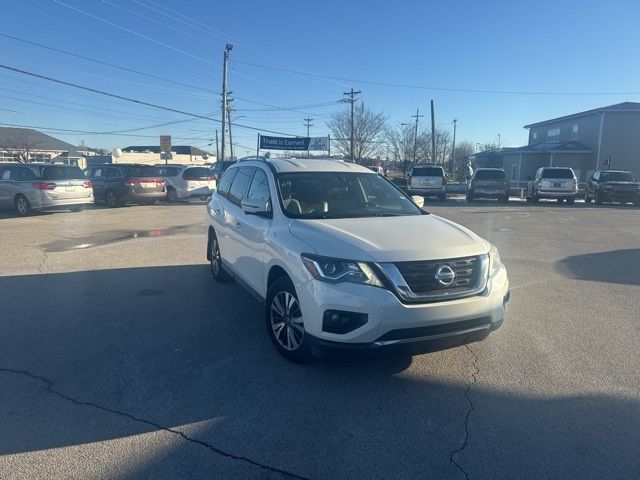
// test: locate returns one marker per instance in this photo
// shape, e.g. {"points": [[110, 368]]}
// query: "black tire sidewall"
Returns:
{"points": [[303, 353], [28, 210], [221, 276], [115, 199]]}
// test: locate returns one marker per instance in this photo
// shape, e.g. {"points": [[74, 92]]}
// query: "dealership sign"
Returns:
{"points": [[294, 143]]}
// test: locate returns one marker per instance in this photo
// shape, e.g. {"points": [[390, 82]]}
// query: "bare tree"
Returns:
{"points": [[21, 147], [400, 141], [464, 150], [368, 130]]}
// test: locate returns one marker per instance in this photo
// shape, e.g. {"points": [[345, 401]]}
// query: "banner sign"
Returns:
{"points": [[294, 143]]}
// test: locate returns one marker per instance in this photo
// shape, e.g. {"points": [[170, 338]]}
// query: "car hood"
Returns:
{"points": [[389, 239]]}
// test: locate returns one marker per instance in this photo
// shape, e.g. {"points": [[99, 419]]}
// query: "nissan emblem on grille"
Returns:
{"points": [[445, 275]]}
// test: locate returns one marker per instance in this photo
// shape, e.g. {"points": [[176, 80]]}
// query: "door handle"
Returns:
{"points": [[238, 225]]}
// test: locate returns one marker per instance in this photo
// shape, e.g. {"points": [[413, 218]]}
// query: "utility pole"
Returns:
{"points": [[230, 138], [433, 135], [415, 138], [227, 49], [217, 150], [307, 123], [498, 141], [453, 147], [352, 98]]}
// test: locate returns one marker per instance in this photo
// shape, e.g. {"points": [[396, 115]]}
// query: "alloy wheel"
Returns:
{"points": [[22, 206], [286, 321], [215, 256]]}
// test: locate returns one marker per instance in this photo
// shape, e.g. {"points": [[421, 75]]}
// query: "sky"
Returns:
{"points": [[458, 52]]}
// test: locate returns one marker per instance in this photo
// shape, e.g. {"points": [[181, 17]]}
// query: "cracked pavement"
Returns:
{"points": [[129, 362]]}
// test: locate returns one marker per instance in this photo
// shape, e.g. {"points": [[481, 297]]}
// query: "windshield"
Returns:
{"points": [[557, 173], [197, 172], [490, 175], [341, 195], [617, 177], [61, 173]]}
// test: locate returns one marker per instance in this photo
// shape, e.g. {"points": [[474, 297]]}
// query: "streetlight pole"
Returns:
{"points": [[498, 141], [227, 49]]}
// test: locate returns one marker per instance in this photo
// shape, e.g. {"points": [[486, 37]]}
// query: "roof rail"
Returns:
{"points": [[253, 157]]}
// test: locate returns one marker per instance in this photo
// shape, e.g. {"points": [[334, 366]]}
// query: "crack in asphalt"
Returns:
{"points": [[474, 379], [40, 266], [50, 389]]}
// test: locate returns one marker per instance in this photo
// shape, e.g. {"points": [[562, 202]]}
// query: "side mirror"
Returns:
{"points": [[256, 207], [529, 178], [418, 200]]}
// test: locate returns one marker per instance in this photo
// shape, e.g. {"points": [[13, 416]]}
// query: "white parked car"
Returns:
{"points": [[347, 263], [428, 180], [186, 182]]}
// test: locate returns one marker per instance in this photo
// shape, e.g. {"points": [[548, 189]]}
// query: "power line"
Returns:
{"points": [[139, 102], [424, 87]]}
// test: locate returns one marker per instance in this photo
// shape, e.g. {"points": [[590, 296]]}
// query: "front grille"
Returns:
{"points": [[432, 330], [420, 276]]}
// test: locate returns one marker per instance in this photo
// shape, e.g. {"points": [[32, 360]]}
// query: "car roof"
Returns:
{"points": [[490, 168], [615, 171], [556, 168], [427, 165], [290, 165]]}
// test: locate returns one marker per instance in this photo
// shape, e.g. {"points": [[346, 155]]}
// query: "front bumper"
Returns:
{"points": [[620, 196], [394, 327]]}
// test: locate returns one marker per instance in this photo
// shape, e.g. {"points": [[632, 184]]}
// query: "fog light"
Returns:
{"points": [[341, 322]]}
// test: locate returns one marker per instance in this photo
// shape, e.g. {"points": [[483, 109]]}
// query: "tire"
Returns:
{"points": [[215, 260], [504, 199], [587, 198], [22, 206], [172, 195], [571, 200], [559, 200], [469, 198], [76, 209], [284, 322], [442, 197], [535, 199], [111, 199], [598, 198]]}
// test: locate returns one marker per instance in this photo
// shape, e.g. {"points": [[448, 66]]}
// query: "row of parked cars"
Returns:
{"points": [[557, 183], [25, 187]]}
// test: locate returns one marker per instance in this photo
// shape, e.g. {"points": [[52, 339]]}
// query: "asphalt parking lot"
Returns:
{"points": [[121, 358]]}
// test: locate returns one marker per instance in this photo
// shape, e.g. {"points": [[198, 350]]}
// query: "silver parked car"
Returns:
{"points": [[38, 186]]}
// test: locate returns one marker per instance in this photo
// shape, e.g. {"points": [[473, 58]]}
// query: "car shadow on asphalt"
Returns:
{"points": [[100, 355], [616, 266]]}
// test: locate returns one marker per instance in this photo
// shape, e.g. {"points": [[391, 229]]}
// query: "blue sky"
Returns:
{"points": [[546, 46]]}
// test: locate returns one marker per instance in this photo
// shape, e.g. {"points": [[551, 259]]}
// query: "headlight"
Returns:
{"points": [[334, 270], [494, 260]]}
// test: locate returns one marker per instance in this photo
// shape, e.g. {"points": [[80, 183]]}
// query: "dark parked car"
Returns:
{"points": [[117, 184], [612, 186], [220, 167], [489, 183]]}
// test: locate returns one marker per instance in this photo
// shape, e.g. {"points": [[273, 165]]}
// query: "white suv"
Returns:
{"points": [[347, 263]]}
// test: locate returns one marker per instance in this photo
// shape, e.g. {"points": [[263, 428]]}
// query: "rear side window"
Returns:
{"points": [[240, 184], [22, 174], [202, 173], [142, 171], [225, 182], [618, 177], [426, 172], [557, 173], [61, 173], [490, 175]]}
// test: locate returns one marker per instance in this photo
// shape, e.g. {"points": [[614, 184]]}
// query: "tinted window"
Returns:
{"points": [[203, 173], [259, 188], [617, 177], [143, 171], [22, 174], [61, 173], [426, 172], [168, 171], [225, 182], [557, 173], [112, 173], [240, 184], [490, 175]]}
